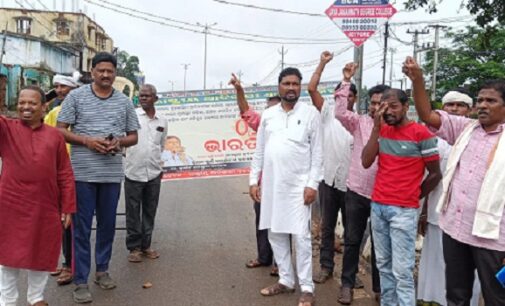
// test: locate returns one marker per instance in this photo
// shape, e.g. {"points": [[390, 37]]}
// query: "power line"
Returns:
{"points": [[270, 9], [181, 22]]}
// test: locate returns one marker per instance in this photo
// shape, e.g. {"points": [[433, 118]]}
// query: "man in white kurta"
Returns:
{"points": [[289, 156]]}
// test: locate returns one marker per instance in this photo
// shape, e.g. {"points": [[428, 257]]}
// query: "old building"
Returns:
{"points": [[68, 29], [39, 44]]}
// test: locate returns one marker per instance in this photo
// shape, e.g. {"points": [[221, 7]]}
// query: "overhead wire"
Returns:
{"points": [[215, 29], [270, 9]]}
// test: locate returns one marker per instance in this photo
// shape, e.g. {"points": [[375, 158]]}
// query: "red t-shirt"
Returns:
{"points": [[403, 154]]}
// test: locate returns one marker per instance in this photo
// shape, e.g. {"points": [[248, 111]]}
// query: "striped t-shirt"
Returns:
{"points": [[92, 116], [403, 154]]}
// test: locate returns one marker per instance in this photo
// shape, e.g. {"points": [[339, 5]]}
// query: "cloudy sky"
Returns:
{"points": [[162, 49]]}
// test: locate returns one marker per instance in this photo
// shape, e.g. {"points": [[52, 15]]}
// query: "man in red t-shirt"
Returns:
{"points": [[405, 149]]}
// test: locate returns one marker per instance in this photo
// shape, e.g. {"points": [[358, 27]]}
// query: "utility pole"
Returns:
{"points": [[240, 74], [206, 28], [185, 72], [415, 39], [392, 51], [172, 84], [358, 76], [386, 35], [435, 61], [4, 40], [282, 52]]}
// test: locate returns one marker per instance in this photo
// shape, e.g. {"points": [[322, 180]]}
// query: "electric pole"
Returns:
{"points": [[358, 76], [206, 28], [435, 61], [172, 84], [392, 51], [185, 67], [386, 35], [415, 40], [282, 53], [240, 74]]}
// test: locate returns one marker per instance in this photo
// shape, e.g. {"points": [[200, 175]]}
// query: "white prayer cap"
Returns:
{"points": [[70, 81], [456, 96]]}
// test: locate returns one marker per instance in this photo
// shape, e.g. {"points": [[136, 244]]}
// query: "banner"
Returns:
{"points": [[206, 136]]}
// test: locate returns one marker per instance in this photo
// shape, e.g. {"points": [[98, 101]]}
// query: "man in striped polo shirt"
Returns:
{"points": [[405, 149], [102, 121]]}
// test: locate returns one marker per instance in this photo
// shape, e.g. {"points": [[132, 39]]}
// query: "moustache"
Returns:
{"points": [[483, 113]]}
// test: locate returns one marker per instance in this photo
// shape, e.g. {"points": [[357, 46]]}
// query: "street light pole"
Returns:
{"points": [[206, 28], [185, 72]]}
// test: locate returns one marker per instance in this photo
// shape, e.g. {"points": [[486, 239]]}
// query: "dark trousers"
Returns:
{"points": [[141, 201], [331, 201], [357, 210], [101, 199], [67, 247], [461, 260], [265, 255]]}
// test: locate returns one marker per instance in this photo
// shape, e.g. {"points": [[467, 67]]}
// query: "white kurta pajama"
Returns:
{"points": [[289, 156]]}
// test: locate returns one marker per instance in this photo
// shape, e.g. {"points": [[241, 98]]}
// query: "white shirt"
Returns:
{"points": [[444, 149], [337, 147], [143, 160], [289, 156]]}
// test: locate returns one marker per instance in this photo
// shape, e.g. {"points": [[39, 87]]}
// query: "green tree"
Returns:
{"points": [[476, 55], [128, 66], [485, 11]]}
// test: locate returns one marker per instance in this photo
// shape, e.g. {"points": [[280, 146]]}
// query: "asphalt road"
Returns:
{"points": [[205, 233]]}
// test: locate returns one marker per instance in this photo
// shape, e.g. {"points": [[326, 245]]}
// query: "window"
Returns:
{"points": [[62, 27], [23, 25]]}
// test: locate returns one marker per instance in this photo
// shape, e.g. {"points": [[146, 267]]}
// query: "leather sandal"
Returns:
{"points": [[65, 277], [276, 289], [307, 299]]}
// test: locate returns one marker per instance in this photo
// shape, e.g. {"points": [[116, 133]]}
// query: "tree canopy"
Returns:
{"points": [[485, 11], [476, 55], [128, 66]]}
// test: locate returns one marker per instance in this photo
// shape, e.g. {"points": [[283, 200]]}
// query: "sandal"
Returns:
{"points": [[276, 289], [253, 263], [307, 299], [65, 277], [56, 272], [274, 271]]}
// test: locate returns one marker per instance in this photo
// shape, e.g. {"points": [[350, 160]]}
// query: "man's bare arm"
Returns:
{"points": [[422, 103], [241, 100], [432, 179]]}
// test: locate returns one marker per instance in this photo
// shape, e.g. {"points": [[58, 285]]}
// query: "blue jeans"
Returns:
{"points": [[395, 230], [102, 198]]}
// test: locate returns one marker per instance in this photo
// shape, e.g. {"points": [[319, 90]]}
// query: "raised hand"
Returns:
{"points": [[411, 69], [235, 82], [326, 57], [349, 71], [379, 115]]}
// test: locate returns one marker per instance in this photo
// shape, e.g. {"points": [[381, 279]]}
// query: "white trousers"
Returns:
{"points": [[281, 248], [37, 281]]}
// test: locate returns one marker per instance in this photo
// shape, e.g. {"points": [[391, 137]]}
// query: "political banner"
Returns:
{"points": [[206, 136]]}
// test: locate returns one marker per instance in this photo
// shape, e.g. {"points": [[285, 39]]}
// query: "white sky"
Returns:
{"points": [[163, 49]]}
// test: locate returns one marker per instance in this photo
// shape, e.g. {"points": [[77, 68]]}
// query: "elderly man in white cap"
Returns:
{"points": [[431, 288], [62, 86]]}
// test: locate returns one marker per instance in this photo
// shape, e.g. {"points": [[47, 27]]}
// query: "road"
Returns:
{"points": [[205, 234]]}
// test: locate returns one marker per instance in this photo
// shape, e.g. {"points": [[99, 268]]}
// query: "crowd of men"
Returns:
{"points": [[383, 169], [443, 177], [73, 184]]}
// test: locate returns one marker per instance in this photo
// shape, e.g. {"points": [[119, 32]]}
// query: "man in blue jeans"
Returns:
{"points": [[405, 149], [102, 121]]}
